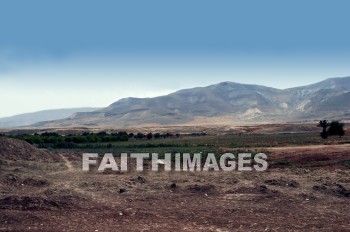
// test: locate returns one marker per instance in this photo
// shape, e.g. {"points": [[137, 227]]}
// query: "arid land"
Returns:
{"points": [[306, 187]]}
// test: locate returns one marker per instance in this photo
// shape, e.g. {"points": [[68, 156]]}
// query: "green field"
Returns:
{"points": [[118, 142]]}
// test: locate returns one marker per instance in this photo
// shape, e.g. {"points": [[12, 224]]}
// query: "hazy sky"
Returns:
{"points": [[62, 54]]}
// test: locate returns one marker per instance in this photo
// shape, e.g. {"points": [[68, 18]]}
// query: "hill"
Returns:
{"points": [[15, 150], [223, 103], [40, 116]]}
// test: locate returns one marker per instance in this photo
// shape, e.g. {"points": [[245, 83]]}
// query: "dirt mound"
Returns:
{"points": [[258, 189], [335, 190], [31, 203], [12, 179], [15, 180], [14, 149], [35, 182]]}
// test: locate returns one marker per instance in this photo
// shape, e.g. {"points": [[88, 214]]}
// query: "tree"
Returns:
{"points": [[149, 136], [324, 124], [156, 136], [102, 133], [333, 128], [139, 136], [336, 128]]}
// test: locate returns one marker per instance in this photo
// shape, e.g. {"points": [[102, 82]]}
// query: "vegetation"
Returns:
{"points": [[336, 128], [55, 141], [330, 129], [166, 142], [324, 124]]}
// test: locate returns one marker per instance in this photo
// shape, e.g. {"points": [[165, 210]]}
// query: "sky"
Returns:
{"points": [[64, 54]]}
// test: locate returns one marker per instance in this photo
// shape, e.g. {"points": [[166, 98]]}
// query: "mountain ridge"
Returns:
{"points": [[225, 102], [27, 119]]}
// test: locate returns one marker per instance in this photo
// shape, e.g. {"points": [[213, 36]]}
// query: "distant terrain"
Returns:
{"points": [[220, 104], [40, 116]]}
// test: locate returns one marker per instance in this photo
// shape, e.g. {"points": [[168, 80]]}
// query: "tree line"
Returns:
{"points": [[331, 128]]}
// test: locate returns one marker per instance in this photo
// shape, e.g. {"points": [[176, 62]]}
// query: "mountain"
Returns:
{"points": [[46, 115], [223, 103]]}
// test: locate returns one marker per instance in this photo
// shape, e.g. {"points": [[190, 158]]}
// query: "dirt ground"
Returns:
{"points": [[304, 189]]}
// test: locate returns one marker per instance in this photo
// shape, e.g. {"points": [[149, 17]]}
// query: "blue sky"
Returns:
{"points": [[61, 54]]}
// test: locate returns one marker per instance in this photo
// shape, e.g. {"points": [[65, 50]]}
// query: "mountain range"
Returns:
{"points": [[35, 117], [222, 103]]}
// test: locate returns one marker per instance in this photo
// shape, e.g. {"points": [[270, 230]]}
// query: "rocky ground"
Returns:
{"points": [[305, 189]]}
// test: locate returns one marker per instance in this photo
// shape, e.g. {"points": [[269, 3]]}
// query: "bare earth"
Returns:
{"points": [[312, 194]]}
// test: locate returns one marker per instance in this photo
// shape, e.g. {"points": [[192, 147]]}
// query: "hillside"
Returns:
{"points": [[223, 103], [15, 150]]}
